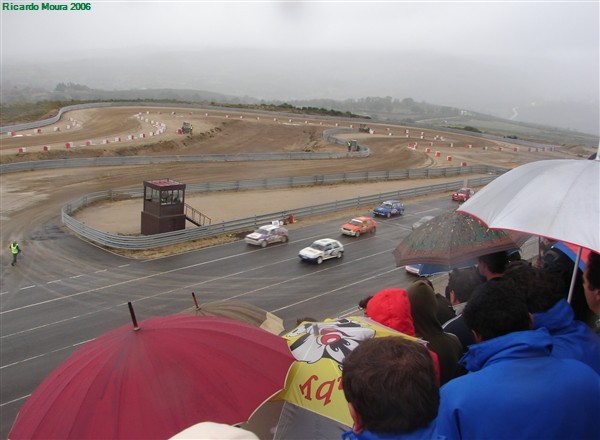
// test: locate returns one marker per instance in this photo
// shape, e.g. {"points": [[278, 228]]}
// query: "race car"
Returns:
{"points": [[268, 234], [322, 249], [389, 208], [359, 225], [463, 194]]}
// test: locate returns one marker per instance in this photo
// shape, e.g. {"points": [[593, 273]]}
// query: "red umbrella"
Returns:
{"points": [[155, 381]]}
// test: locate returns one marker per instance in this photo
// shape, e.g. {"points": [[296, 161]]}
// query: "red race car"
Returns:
{"points": [[463, 194]]}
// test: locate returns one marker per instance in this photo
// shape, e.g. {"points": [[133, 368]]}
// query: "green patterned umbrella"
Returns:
{"points": [[453, 238]]}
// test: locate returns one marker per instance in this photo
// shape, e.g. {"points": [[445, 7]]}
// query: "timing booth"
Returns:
{"points": [[163, 206]]}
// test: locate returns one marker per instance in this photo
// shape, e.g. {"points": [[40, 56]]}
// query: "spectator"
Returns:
{"points": [[546, 299], [305, 319], [444, 310], [559, 263], [391, 308], [591, 286], [362, 304], [391, 389], [515, 388], [461, 283], [492, 266], [446, 345]]}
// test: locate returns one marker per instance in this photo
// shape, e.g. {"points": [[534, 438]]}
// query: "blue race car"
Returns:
{"points": [[389, 208]]}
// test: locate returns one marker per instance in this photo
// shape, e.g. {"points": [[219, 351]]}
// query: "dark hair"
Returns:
{"points": [[426, 280], [305, 319], [495, 262], [541, 289], [363, 302], [496, 308], [593, 270], [391, 383], [463, 282]]}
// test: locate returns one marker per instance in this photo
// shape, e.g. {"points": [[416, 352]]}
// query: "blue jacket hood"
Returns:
{"points": [[571, 339], [560, 316], [525, 344]]}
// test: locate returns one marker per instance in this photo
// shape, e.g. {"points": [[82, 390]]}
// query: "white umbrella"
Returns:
{"points": [[558, 199]]}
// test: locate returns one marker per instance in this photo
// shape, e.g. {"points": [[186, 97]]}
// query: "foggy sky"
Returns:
{"points": [[466, 53]]}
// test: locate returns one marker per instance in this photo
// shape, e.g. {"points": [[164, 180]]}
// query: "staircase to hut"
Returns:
{"points": [[196, 217]]}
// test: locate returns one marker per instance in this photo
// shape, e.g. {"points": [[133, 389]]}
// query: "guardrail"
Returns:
{"points": [[54, 119], [328, 135], [131, 242]]}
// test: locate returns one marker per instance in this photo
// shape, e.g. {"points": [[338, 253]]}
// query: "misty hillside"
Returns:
{"points": [[476, 84]]}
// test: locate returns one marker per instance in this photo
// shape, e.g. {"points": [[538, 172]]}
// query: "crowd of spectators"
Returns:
{"points": [[513, 362]]}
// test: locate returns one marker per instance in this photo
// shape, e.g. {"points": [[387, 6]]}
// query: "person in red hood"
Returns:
{"points": [[391, 307]]}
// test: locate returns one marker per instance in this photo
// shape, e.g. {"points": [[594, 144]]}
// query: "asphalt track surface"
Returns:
{"points": [[43, 322]]}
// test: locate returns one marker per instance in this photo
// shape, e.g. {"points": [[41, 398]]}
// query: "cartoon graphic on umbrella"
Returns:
{"points": [[314, 382], [453, 238], [156, 380], [239, 311]]}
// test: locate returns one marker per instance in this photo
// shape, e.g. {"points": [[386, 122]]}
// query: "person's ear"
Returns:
{"points": [[530, 321], [477, 336], [453, 299], [358, 426]]}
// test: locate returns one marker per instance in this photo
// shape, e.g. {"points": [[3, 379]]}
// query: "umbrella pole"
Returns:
{"points": [[195, 301], [132, 313], [575, 268]]}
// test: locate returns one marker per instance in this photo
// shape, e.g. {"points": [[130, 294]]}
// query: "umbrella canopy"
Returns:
{"points": [[319, 349], [171, 373], [452, 239], [571, 251], [282, 420], [240, 311], [558, 199]]}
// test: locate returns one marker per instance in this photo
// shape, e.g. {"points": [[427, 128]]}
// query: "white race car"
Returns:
{"points": [[267, 234], [322, 249]]}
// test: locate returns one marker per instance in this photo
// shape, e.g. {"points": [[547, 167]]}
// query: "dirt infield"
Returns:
{"points": [[30, 199]]}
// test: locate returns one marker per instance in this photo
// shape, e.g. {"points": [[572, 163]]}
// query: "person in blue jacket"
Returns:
{"points": [[546, 300], [392, 390], [515, 389]]}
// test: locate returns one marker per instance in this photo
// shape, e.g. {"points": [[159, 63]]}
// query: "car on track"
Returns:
{"points": [[267, 234], [422, 221], [359, 225], [463, 194], [389, 208], [322, 249]]}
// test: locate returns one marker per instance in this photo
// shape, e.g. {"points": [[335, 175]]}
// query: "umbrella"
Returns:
{"points": [[314, 382], [282, 420], [571, 251], [557, 199], [452, 239], [171, 373], [239, 311]]}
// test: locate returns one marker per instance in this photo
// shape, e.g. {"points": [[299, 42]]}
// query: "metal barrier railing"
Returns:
{"points": [[130, 242]]}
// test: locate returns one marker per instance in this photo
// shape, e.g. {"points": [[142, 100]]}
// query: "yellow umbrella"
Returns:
{"points": [[315, 379]]}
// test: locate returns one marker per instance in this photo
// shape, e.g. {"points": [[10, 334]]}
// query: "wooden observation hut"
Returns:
{"points": [[164, 207]]}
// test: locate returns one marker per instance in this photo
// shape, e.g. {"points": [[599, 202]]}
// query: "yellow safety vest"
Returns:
{"points": [[14, 248]]}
